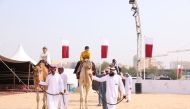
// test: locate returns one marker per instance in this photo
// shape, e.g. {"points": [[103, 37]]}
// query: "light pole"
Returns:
{"points": [[135, 9]]}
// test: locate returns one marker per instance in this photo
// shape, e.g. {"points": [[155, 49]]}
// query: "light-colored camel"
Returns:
{"points": [[40, 73], [85, 83]]}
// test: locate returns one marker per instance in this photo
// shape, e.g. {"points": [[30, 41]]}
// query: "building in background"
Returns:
{"points": [[149, 62]]}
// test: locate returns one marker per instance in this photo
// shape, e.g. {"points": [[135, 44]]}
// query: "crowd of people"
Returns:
{"points": [[110, 79]]}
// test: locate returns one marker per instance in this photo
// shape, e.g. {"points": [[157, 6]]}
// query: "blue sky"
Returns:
{"points": [[35, 23]]}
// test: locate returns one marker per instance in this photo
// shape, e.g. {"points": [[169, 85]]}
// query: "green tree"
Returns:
{"points": [[173, 74], [132, 71], [124, 70], [151, 71], [104, 65]]}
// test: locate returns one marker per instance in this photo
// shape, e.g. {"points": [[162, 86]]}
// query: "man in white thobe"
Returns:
{"points": [[45, 55], [128, 86], [55, 86], [64, 78], [113, 83]]}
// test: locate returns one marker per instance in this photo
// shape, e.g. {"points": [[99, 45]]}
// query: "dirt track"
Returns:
{"points": [[140, 101]]}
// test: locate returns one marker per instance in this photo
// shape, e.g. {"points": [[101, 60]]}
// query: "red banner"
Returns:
{"points": [[148, 47], [148, 50], [65, 51], [104, 51]]}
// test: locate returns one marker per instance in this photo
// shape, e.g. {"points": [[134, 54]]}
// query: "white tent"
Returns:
{"points": [[21, 55]]}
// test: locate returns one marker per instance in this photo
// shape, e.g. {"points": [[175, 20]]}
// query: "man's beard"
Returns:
{"points": [[111, 74]]}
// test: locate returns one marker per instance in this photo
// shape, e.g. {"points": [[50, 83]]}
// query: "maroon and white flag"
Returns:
{"points": [[179, 69], [65, 49], [148, 47], [104, 49]]}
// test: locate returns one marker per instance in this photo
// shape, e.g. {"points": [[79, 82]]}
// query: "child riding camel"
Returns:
{"points": [[84, 55]]}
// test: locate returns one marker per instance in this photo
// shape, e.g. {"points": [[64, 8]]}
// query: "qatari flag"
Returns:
{"points": [[65, 49], [148, 47], [179, 68], [104, 49]]}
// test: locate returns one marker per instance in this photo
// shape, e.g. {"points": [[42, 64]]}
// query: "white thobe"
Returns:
{"points": [[112, 85], [46, 57], [128, 87], [55, 86], [65, 103]]}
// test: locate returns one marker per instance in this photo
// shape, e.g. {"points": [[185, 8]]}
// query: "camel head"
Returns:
{"points": [[39, 73], [87, 64], [36, 72]]}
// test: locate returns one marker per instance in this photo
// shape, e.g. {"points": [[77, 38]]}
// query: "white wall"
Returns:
{"points": [[164, 86], [71, 77]]}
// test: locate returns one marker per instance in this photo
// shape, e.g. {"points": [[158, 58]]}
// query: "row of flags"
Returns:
{"points": [[104, 48], [148, 43], [148, 53], [65, 49]]}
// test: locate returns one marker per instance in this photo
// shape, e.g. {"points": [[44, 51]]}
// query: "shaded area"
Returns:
{"points": [[21, 68]]}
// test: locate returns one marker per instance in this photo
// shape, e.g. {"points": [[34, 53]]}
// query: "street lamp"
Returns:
{"points": [[135, 9], [131, 1], [136, 15]]}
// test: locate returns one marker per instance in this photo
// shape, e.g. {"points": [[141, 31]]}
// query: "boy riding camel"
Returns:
{"points": [[84, 55]]}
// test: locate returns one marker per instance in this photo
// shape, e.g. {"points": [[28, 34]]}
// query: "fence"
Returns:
{"points": [[164, 86]]}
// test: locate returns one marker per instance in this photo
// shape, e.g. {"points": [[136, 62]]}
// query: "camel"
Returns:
{"points": [[85, 82], [40, 73]]}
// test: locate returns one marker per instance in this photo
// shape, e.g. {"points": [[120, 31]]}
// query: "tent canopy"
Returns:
{"points": [[20, 55], [10, 60]]}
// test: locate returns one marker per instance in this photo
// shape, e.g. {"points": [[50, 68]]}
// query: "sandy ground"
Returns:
{"points": [[139, 101]]}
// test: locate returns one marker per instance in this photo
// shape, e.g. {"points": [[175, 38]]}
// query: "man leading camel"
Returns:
{"points": [[113, 83], [55, 86]]}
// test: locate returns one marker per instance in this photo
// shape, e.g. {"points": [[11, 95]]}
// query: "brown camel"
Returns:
{"points": [[40, 73]]}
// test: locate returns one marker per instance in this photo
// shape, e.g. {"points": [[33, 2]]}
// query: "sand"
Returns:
{"points": [[139, 101]]}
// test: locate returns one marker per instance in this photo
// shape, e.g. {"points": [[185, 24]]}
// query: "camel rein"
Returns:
{"points": [[107, 102], [51, 93], [55, 94]]}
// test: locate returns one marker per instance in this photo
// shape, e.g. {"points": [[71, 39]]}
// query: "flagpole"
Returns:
{"points": [[100, 66], [104, 51], [144, 66], [144, 56], [177, 68], [65, 51]]}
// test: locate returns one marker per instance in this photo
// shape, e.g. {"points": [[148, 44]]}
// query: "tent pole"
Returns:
{"points": [[14, 81], [29, 77]]}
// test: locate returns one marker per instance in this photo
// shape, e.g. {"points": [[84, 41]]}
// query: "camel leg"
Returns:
{"points": [[44, 101], [86, 98], [37, 98], [81, 97]]}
